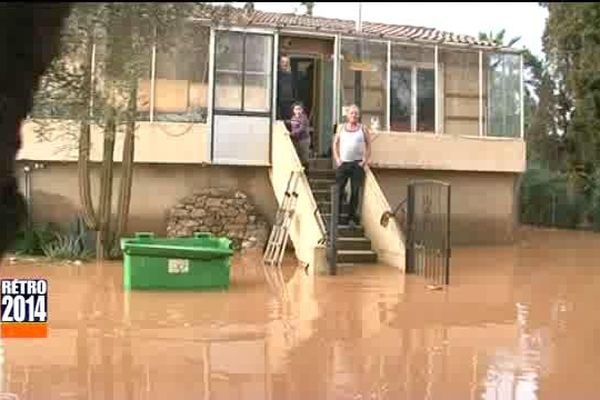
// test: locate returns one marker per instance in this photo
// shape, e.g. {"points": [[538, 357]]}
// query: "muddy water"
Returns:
{"points": [[517, 323]]}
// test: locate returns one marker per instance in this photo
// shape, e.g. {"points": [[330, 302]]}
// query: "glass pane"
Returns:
{"points": [[229, 52], [228, 91], [258, 53], [364, 80], [182, 75], [461, 92], [504, 92], [256, 93], [406, 102], [425, 100], [401, 99]]}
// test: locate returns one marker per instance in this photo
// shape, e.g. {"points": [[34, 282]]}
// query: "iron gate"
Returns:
{"points": [[428, 231]]}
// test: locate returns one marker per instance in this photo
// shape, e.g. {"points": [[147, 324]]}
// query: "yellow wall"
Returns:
{"points": [[461, 92], [157, 142], [444, 152], [156, 188], [483, 209]]}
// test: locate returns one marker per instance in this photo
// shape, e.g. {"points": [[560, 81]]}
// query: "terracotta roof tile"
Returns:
{"points": [[333, 25]]}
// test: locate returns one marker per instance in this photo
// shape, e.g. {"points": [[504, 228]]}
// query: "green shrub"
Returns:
{"points": [[545, 200], [31, 241]]}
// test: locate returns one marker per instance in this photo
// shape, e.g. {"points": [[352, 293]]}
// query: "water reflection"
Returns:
{"points": [[517, 323]]}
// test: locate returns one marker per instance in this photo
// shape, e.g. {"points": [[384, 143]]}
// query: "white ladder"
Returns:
{"points": [[280, 233]]}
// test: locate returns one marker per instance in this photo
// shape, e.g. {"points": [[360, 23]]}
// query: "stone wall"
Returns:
{"points": [[222, 212]]}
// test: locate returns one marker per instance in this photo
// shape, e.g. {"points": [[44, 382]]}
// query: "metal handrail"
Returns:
{"points": [[333, 227], [322, 227], [385, 217]]}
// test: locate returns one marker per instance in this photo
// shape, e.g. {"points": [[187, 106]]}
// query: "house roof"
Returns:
{"points": [[238, 16]]}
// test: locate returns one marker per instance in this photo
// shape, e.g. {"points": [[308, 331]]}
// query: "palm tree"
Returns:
{"points": [[498, 38]]}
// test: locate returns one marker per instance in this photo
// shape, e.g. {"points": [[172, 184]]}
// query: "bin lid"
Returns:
{"points": [[176, 251]]}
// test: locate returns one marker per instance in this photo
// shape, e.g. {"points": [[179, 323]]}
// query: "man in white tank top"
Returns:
{"points": [[351, 152]]}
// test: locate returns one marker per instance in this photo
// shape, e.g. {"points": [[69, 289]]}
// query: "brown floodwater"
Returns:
{"points": [[517, 322]]}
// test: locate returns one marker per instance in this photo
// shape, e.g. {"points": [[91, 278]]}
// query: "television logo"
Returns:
{"points": [[24, 308]]}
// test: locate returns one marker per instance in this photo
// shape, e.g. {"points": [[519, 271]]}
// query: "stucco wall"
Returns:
{"points": [[156, 188], [157, 142], [482, 204], [448, 153]]}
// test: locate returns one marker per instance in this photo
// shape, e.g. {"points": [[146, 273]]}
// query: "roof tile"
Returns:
{"points": [[333, 25]]}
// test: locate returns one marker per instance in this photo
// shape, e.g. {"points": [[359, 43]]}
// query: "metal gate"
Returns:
{"points": [[428, 231]]}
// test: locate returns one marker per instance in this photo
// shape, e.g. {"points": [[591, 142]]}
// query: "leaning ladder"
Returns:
{"points": [[280, 233]]}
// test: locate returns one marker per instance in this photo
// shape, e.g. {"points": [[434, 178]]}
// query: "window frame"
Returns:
{"points": [[242, 111], [157, 57], [414, 66]]}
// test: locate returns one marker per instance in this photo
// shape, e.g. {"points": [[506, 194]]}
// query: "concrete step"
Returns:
{"points": [[321, 184], [321, 174], [320, 163], [353, 243], [325, 207], [345, 231], [321, 195], [356, 256], [327, 215]]}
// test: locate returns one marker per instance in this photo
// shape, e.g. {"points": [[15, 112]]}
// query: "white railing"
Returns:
{"points": [[387, 242], [305, 230]]}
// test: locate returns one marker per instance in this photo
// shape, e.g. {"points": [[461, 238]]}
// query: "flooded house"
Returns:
{"points": [[441, 106]]}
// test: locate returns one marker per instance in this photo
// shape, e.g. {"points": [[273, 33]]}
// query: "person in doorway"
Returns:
{"points": [[300, 134], [285, 90], [351, 152]]}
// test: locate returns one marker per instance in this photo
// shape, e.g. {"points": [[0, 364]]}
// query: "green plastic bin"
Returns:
{"points": [[201, 262]]}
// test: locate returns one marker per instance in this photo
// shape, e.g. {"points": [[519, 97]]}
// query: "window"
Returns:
{"points": [[425, 100], [413, 90], [402, 99], [504, 93], [461, 82], [364, 80], [243, 75], [180, 92]]}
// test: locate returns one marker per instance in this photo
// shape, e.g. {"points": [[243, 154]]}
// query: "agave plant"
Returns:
{"points": [[67, 247]]}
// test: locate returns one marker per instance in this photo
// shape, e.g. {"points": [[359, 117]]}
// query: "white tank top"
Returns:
{"points": [[352, 144]]}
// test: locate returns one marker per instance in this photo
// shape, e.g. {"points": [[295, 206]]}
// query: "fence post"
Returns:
{"points": [[448, 237], [553, 209], [409, 253], [333, 227]]}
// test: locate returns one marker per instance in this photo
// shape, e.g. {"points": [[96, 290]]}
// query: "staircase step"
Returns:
{"points": [[321, 184], [345, 231], [356, 256], [353, 243], [327, 216], [325, 207], [321, 174], [321, 195], [320, 163]]}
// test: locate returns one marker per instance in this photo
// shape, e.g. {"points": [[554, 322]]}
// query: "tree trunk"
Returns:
{"points": [[126, 168], [85, 192], [103, 239]]}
